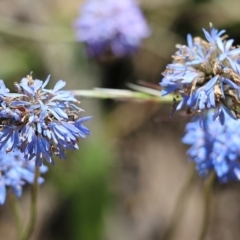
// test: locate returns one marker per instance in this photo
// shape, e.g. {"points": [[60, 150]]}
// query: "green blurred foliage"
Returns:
{"points": [[83, 181]]}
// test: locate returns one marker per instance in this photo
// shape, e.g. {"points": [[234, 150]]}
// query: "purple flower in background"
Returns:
{"points": [[16, 172], [41, 122], [206, 75], [215, 147], [113, 25]]}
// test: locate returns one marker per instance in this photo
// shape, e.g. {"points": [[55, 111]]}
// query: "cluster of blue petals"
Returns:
{"points": [[215, 147], [118, 26], [38, 121], [15, 172], [205, 74]]}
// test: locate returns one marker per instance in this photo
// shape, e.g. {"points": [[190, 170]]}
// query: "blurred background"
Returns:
{"points": [[124, 181]]}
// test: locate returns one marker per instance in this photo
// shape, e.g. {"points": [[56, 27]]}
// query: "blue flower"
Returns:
{"points": [[215, 147], [41, 122], [206, 74], [118, 26], [16, 172]]}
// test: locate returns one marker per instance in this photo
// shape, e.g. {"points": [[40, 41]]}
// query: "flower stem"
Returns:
{"points": [[207, 206], [33, 208], [178, 209], [123, 95], [17, 214]]}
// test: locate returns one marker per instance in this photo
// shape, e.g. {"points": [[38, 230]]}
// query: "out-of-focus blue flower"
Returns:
{"points": [[205, 73], [41, 122], [104, 25], [16, 172], [215, 147]]}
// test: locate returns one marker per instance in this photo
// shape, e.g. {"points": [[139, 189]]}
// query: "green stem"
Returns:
{"points": [[123, 95], [207, 206], [17, 213], [33, 208], [178, 209]]}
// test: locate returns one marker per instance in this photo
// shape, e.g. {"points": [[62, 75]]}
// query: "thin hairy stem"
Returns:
{"points": [[17, 213], [124, 95], [33, 208], [207, 206]]}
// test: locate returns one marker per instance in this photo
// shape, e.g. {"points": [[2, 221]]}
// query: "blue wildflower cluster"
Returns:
{"points": [[16, 172], [40, 122], [206, 75], [111, 26], [215, 147]]}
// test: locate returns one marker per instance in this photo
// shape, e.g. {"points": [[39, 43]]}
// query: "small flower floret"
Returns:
{"points": [[205, 75], [41, 122], [215, 147], [111, 26], [15, 172]]}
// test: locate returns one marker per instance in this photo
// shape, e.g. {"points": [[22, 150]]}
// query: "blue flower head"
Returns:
{"points": [[215, 147], [110, 25], [40, 122], [206, 75], [15, 172]]}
